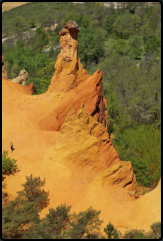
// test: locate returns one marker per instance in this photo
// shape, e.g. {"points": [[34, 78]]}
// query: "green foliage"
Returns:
{"points": [[58, 219], [136, 44], [119, 46], [15, 70], [123, 25], [134, 234], [84, 223], [32, 21], [154, 233], [108, 24], [32, 192], [111, 232], [40, 39], [22, 213], [153, 44], [47, 73], [156, 229], [87, 46], [16, 216], [136, 145], [8, 164], [19, 25]]}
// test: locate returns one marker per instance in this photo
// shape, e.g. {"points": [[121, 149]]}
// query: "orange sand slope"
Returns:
{"points": [[61, 136]]}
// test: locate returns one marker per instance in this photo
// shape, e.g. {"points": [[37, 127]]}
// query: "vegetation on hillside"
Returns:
{"points": [[21, 220], [8, 164]]}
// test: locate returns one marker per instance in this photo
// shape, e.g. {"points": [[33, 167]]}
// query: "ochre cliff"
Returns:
{"points": [[84, 146], [70, 77], [61, 136]]}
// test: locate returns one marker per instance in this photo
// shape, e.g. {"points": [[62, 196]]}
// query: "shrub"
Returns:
{"points": [[84, 223], [58, 219], [156, 230], [8, 164], [131, 234], [16, 215], [32, 192], [111, 232]]}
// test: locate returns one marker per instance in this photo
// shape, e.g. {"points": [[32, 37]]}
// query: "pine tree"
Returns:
{"points": [[33, 193]]}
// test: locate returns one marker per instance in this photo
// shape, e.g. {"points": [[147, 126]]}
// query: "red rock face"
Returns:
{"points": [[71, 78]]}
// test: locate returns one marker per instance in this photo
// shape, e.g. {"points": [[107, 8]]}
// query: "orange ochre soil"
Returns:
{"points": [[34, 154]]}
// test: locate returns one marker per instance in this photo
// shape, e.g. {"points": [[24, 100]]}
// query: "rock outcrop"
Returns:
{"points": [[69, 72], [72, 79], [4, 72], [120, 174], [84, 146], [89, 93], [21, 78]]}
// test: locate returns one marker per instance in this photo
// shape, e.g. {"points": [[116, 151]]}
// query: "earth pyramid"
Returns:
{"points": [[61, 136]]}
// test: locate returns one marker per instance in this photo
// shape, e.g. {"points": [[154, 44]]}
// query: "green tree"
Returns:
{"points": [[84, 223], [58, 219], [153, 44], [135, 43], [88, 50], [40, 39], [47, 73], [108, 24], [111, 232], [119, 46], [123, 25], [8, 164], [16, 216], [86, 21], [156, 230], [15, 70], [32, 21], [32, 192], [19, 25]]}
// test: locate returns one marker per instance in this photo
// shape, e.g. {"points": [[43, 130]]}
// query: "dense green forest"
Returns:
{"points": [[125, 43]]}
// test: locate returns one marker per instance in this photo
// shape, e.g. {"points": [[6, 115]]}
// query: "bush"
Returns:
{"points": [[32, 192], [156, 230], [16, 216], [141, 144], [132, 234], [111, 232], [8, 164], [84, 223]]}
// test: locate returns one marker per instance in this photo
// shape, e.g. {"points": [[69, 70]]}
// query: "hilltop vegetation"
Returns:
{"points": [[126, 44]]}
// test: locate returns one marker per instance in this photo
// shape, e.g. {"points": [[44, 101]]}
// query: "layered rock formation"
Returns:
{"points": [[21, 78], [84, 146], [4, 72]]}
